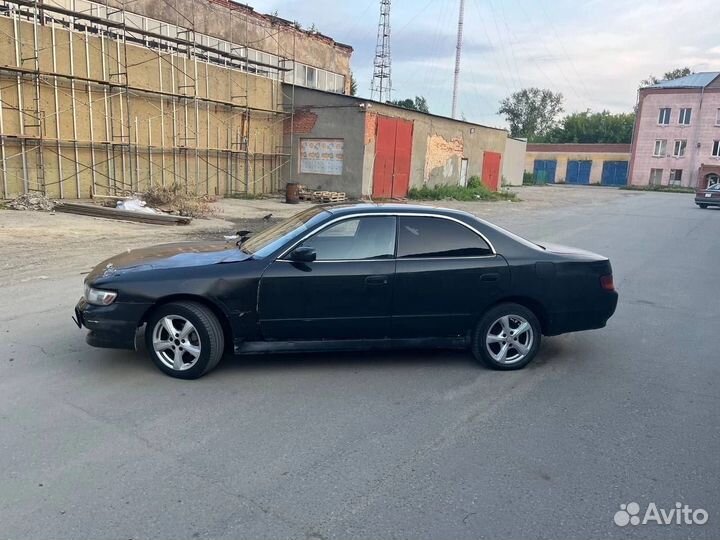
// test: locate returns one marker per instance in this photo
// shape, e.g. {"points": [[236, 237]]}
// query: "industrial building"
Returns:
{"points": [[117, 95], [571, 163], [372, 149], [677, 132]]}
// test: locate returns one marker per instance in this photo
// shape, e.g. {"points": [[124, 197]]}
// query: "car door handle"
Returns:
{"points": [[490, 277], [376, 280]]}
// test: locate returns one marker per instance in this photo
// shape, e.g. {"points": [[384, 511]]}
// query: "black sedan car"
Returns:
{"points": [[348, 277], [709, 196]]}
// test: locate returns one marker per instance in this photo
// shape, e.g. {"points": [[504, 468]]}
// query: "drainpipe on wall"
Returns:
{"points": [[694, 172], [633, 137]]}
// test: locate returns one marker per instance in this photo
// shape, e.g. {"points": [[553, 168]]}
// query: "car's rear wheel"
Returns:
{"points": [[184, 339], [703, 206], [506, 337]]}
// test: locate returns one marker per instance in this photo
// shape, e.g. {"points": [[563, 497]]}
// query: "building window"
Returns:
{"points": [[664, 117], [680, 146], [716, 149], [660, 147], [685, 116], [717, 118], [675, 176], [656, 177]]}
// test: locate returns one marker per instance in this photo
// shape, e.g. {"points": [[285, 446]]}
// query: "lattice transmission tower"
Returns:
{"points": [[381, 86]]}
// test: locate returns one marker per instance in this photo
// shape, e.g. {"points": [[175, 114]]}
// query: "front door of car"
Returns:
{"points": [[345, 293], [445, 275]]}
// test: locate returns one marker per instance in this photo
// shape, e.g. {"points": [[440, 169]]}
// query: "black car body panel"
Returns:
{"points": [[266, 301]]}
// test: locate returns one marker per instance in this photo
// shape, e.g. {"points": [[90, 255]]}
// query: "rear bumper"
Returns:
{"points": [[588, 319], [710, 201], [112, 326]]}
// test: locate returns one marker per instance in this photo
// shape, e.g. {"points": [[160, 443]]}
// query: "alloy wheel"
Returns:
{"points": [[509, 339], [176, 342]]}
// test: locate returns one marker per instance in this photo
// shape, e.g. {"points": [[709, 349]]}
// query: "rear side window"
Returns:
{"points": [[426, 237]]}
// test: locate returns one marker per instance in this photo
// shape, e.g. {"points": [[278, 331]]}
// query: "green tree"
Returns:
{"points": [[353, 84], [418, 104], [589, 127], [531, 112], [667, 76]]}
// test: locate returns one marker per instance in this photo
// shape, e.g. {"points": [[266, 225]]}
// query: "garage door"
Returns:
{"points": [[544, 171], [393, 151], [578, 172], [491, 170], [614, 173]]}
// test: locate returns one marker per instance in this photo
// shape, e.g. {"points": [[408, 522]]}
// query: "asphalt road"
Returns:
{"points": [[98, 444]]}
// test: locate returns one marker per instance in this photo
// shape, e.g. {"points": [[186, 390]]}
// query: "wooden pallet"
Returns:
{"points": [[329, 196]]}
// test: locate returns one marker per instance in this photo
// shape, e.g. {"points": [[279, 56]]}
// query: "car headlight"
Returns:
{"points": [[99, 297]]}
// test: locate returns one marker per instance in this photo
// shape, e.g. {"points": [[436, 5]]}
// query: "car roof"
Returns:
{"points": [[399, 208]]}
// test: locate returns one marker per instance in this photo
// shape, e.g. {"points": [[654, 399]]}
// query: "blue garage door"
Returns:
{"points": [[614, 173], [578, 172], [544, 171]]}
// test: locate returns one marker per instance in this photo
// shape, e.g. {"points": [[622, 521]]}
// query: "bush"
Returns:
{"points": [[475, 191], [528, 179]]}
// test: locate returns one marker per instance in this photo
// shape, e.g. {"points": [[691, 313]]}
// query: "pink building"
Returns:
{"points": [[677, 133]]}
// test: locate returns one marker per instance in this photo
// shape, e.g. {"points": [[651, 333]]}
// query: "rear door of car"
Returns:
{"points": [[344, 294], [446, 274]]}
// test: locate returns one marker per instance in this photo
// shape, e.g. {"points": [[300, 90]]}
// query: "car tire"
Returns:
{"points": [[703, 206], [193, 350], [512, 327]]}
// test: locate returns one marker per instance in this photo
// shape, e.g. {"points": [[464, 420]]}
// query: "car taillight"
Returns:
{"points": [[606, 282]]}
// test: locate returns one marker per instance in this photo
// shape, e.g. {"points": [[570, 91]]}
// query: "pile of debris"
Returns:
{"points": [[174, 200], [32, 201]]}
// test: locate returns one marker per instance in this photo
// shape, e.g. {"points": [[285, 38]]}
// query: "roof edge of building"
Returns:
{"points": [[390, 105], [619, 148]]}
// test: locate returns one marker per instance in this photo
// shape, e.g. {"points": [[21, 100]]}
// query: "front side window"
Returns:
{"points": [[664, 116], [660, 147], [362, 238], [428, 237], [679, 149], [685, 116], [675, 176]]}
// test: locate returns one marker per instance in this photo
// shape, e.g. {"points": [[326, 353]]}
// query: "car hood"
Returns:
{"points": [[177, 255], [571, 251]]}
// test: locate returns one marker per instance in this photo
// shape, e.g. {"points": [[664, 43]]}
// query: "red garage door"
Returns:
{"points": [[491, 170], [393, 151]]}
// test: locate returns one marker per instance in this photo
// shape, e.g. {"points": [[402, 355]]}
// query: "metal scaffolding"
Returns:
{"points": [[92, 103]]}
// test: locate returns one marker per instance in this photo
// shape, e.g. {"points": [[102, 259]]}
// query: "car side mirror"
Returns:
{"points": [[303, 254]]}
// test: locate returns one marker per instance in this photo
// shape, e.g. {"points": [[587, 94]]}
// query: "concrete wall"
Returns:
{"points": [[240, 24], [513, 162], [320, 115], [439, 144], [700, 134], [598, 154], [97, 134]]}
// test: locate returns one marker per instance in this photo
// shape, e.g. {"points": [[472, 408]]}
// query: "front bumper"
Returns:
{"points": [[112, 326]]}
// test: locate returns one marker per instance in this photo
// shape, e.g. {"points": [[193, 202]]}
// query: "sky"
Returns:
{"points": [[594, 52]]}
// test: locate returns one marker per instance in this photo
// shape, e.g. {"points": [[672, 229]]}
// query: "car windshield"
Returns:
{"points": [[268, 240]]}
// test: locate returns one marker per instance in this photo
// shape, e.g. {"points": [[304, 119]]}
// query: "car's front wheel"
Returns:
{"points": [[184, 339], [506, 337]]}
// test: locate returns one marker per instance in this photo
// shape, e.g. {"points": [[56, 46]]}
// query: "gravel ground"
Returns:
{"points": [[42, 245]]}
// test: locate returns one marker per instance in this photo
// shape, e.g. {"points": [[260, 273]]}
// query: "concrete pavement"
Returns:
{"points": [[99, 444]]}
